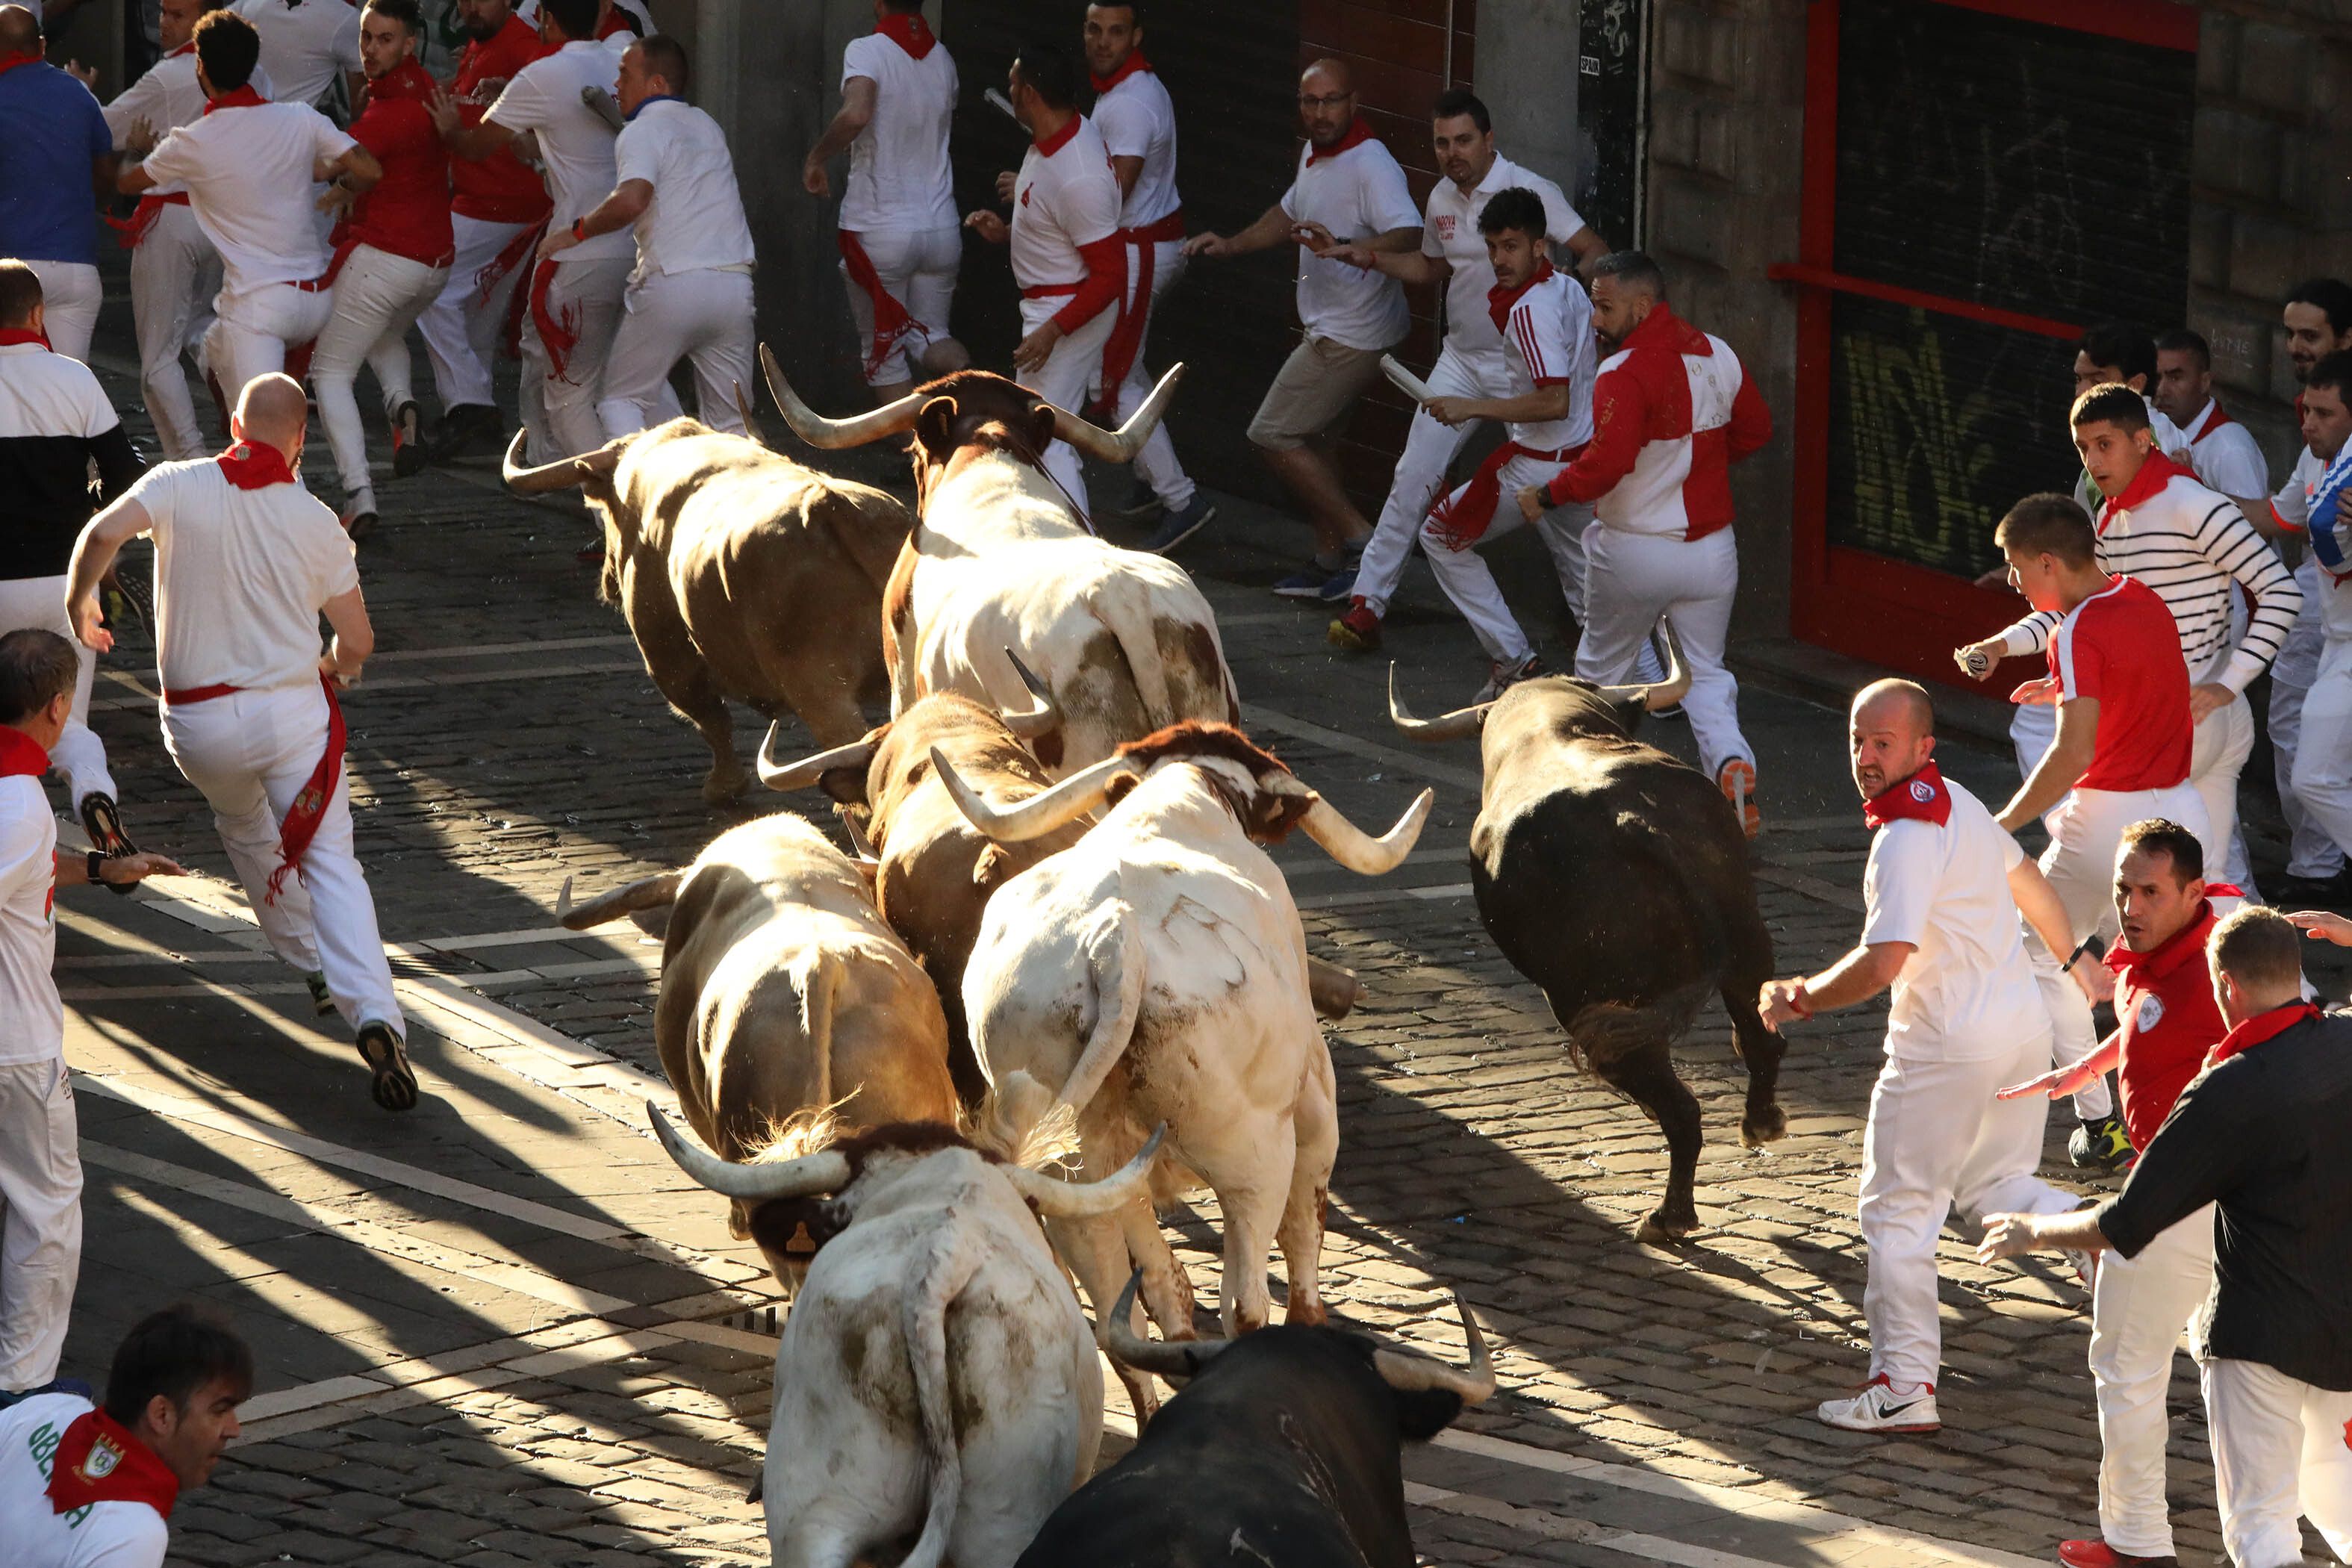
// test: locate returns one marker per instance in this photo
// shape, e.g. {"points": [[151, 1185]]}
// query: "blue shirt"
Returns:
{"points": [[50, 130]]}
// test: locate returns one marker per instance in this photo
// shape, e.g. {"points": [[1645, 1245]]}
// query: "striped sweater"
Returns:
{"points": [[2188, 544]]}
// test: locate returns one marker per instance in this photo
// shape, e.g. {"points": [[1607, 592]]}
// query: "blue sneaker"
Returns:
{"points": [[1306, 583], [1340, 588], [1176, 527]]}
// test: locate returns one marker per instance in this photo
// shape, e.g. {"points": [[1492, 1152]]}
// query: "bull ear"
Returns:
{"points": [[935, 426]]}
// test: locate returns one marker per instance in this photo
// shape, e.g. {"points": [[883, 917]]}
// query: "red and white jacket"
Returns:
{"points": [[1672, 411]]}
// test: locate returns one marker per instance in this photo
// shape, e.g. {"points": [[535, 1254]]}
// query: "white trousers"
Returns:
{"points": [[1937, 1141], [918, 269], [251, 753], [2280, 1452], [251, 331], [462, 327], [2085, 830], [1157, 462], [2139, 1308], [704, 316], [1074, 366], [40, 602], [70, 294], [2311, 853], [1464, 573], [378, 297], [2322, 764], [1631, 581], [1430, 450], [585, 296], [174, 273], [40, 1220]]}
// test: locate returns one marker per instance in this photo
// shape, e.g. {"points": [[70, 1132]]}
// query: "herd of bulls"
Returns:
{"points": [[1057, 944]]}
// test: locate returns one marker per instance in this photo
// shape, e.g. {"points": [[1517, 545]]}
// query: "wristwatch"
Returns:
{"points": [[96, 860]]}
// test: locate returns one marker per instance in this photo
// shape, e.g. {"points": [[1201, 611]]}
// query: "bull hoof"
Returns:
{"points": [[1306, 1314], [1662, 1229], [721, 788], [1759, 1128]]}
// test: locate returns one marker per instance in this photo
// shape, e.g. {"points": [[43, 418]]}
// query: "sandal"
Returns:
{"points": [[394, 1086]]}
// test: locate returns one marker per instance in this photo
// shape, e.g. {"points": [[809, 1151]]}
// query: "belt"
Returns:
{"points": [[1160, 233], [186, 695]]}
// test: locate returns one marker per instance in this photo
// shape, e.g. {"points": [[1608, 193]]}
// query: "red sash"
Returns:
{"points": [[892, 321], [1125, 340], [98, 1460], [498, 268], [309, 808], [1050, 290], [1464, 517], [559, 329]]}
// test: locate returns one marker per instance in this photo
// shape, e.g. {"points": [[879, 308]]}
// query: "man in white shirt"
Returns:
{"points": [[93, 1486], [248, 166], [1138, 122], [1942, 894], [2321, 776], [1473, 363], [690, 296], [1066, 248], [245, 562], [40, 1171], [307, 45], [2225, 453], [900, 243]]}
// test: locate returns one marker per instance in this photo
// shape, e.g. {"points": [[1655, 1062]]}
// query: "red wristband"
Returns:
{"points": [[580, 228], [1798, 1003]]}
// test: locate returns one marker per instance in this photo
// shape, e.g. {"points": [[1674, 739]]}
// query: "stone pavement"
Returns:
{"points": [[505, 1330]]}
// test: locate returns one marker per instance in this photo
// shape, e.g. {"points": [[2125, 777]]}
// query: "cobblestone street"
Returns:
{"points": [[505, 1330]]}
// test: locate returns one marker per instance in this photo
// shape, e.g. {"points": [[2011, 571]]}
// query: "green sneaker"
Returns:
{"points": [[322, 1000], [2100, 1146]]}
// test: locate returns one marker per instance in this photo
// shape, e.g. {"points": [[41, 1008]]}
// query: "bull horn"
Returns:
{"points": [[1040, 813], [1458, 725], [1333, 990], [566, 474], [858, 754], [1118, 446], [834, 435], [825, 1171], [859, 845], [1175, 1359], [1349, 845], [1042, 719], [1668, 692], [1058, 1199], [645, 893], [751, 418], [1408, 1372]]}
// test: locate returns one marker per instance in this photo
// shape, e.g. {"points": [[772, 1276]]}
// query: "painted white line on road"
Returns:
{"points": [[499, 649], [1256, 716], [1384, 896]]}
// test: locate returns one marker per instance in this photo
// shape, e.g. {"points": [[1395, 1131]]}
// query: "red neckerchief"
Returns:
{"points": [[1500, 300], [1922, 797], [250, 466], [1358, 135], [909, 32], [1127, 67], [242, 98], [11, 336], [1664, 331], [619, 21], [98, 1460], [10, 62], [407, 81], [2256, 1030], [20, 755], [2186, 943], [2154, 475], [2220, 417]]}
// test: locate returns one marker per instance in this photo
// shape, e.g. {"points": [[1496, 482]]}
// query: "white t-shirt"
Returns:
{"points": [[166, 98], [574, 141], [2325, 604], [1355, 195], [1550, 344], [103, 1535], [32, 1019], [1967, 992], [1137, 119], [305, 44], [1451, 232], [247, 175], [1063, 199], [899, 177], [240, 577], [695, 218], [2225, 454]]}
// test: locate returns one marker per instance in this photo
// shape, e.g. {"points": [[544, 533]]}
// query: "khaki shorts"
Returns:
{"points": [[1313, 393]]}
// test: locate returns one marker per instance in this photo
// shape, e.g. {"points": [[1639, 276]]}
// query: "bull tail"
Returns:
{"points": [[949, 1270], [645, 893], [1125, 612], [817, 979], [1118, 1003]]}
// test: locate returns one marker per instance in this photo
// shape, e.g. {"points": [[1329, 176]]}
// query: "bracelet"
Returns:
{"points": [[580, 228], [1798, 1002], [93, 863]]}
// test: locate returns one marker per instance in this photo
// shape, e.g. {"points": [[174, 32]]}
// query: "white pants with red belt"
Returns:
{"points": [[1631, 582], [251, 753], [1157, 462], [1074, 366], [1430, 450], [703, 315], [2280, 1452], [70, 294], [378, 297], [1460, 570], [252, 331], [40, 1220], [917, 267], [2139, 1308], [462, 327], [585, 298], [174, 273], [39, 603]]}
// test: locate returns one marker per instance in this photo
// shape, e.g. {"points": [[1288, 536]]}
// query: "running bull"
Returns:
{"points": [[936, 1374], [743, 575], [1616, 878]]}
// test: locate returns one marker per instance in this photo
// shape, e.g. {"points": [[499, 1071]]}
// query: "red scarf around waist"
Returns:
{"points": [[1464, 517], [98, 1460], [892, 320], [559, 327], [309, 808], [1922, 797]]}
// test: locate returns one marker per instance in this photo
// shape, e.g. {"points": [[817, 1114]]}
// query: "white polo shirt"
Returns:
{"points": [[1355, 194], [305, 44], [900, 182], [103, 1535], [1451, 233], [246, 171], [2325, 604], [1550, 343], [1967, 992], [574, 142], [1063, 198], [240, 577], [1137, 119], [32, 1019], [695, 218]]}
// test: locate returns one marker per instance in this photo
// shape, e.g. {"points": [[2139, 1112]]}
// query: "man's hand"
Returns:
{"points": [[2051, 1085], [2207, 699], [1776, 1003], [1034, 350], [1979, 659], [813, 179], [89, 624], [1313, 236], [2042, 693], [2007, 1235], [338, 198], [1452, 411], [1534, 503], [2321, 926], [86, 75], [332, 669], [1357, 256], [1996, 578], [988, 226], [1004, 184], [555, 242], [1209, 245], [442, 109], [2095, 979], [122, 870], [486, 91], [139, 137]]}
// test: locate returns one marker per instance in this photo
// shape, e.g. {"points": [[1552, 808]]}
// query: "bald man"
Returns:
{"points": [[1942, 894], [245, 562]]}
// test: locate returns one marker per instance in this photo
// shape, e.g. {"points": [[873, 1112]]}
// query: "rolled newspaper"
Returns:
{"points": [[996, 97], [602, 105], [1974, 662], [1412, 386]]}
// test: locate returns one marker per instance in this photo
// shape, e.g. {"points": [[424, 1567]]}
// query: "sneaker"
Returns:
{"points": [[322, 1002], [2313, 892], [1879, 1408], [359, 521], [2099, 1146], [408, 441], [1502, 675], [1341, 587], [1357, 631], [103, 823], [2099, 1554], [128, 601], [1140, 503], [1306, 583], [1176, 527], [1737, 780], [391, 1081], [462, 426]]}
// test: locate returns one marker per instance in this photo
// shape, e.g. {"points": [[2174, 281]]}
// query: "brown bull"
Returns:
{"points": [[743, 575]]}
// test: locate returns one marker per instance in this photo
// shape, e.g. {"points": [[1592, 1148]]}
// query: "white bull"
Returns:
{"points": [[935, 1371], [1155, 972]]}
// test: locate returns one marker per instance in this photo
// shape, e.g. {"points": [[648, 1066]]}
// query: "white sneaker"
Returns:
{"points": [[1879, 1408]]}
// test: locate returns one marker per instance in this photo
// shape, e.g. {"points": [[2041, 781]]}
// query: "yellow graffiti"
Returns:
{"points": [[1917, 455]]}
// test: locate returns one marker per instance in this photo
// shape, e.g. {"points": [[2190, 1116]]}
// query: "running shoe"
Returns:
{"points": [[1176, 527], [1876, 1407], [2099, 1144], [104, 822], [1140, 503], [1306, 583], [408, 441], [322, 1001], [1502, 675], [391, 1081], [1737, 780], [1357, 631], [2095, 1553]]}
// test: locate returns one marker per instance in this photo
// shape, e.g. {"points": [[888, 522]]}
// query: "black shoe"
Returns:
{"points": [[1140, 503], [461, 429], [408, 441], [393, 1083], [103, 823], [2099, 1146], [2314, 892]]}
